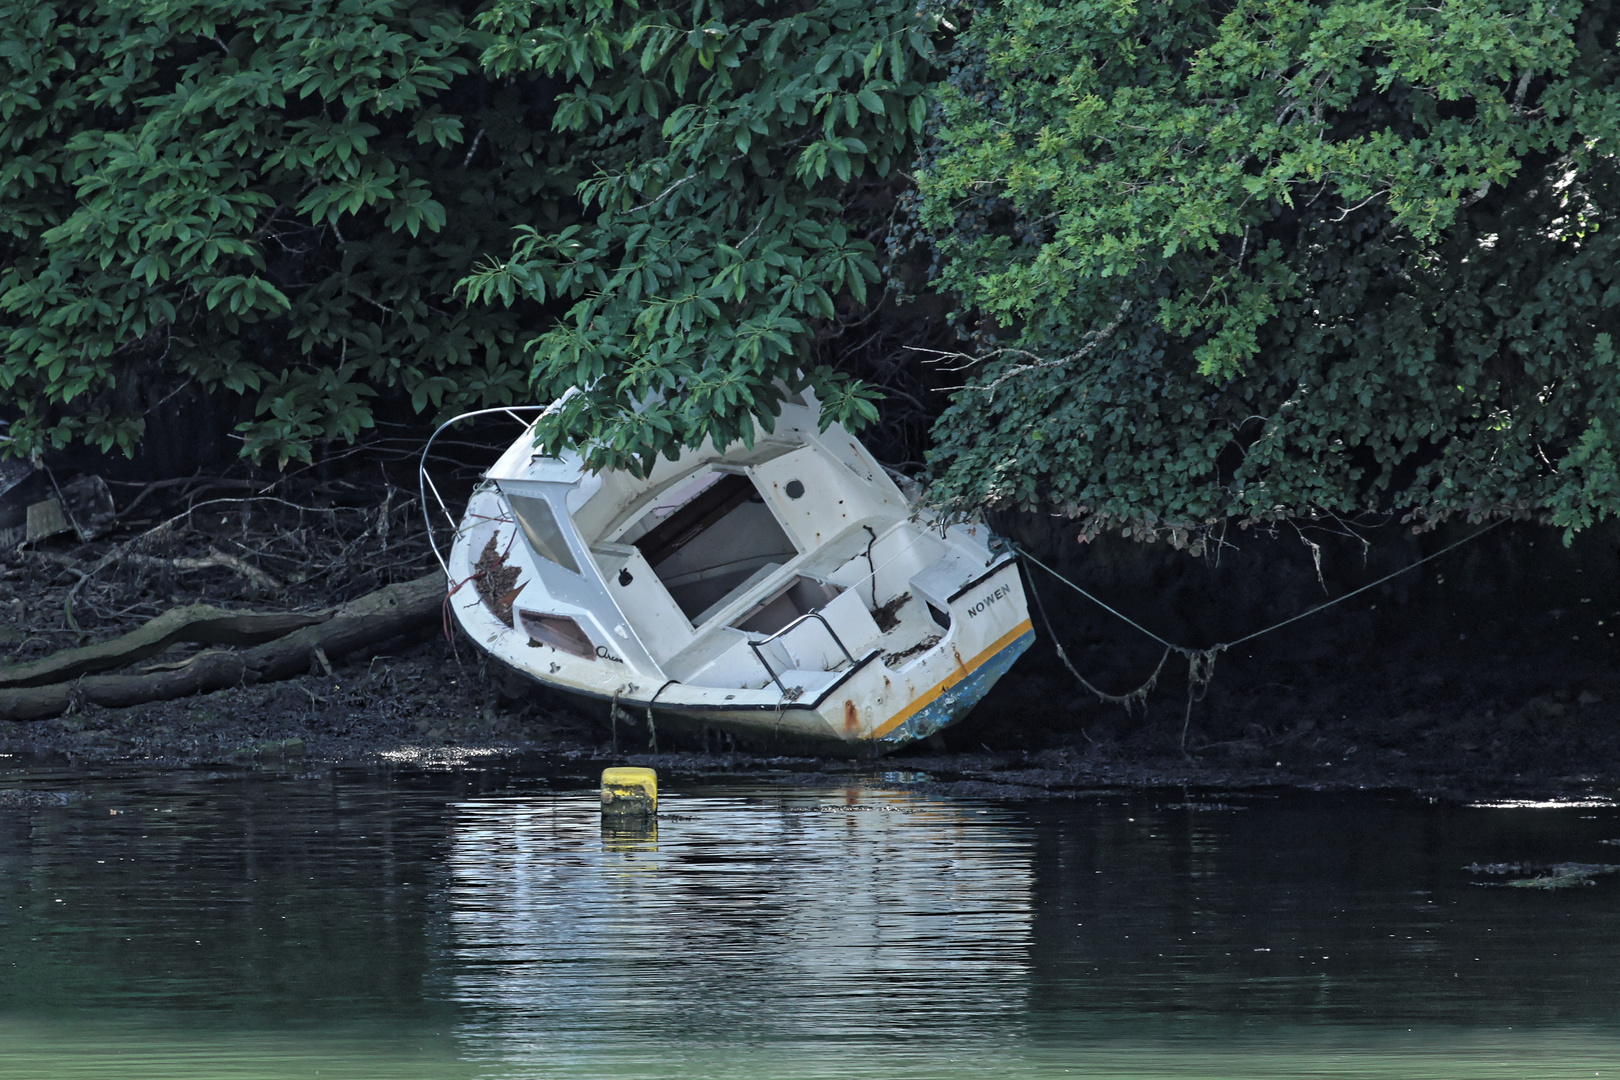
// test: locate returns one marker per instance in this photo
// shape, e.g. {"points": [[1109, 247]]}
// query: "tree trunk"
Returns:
{"points": [[367, 620]]}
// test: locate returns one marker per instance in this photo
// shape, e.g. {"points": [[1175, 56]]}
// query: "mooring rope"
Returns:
{"points": [[652, 728], [1135, 697], [1200, 662]]}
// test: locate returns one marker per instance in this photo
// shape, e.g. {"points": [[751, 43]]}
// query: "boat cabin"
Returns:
{"points": [[784, 562]]}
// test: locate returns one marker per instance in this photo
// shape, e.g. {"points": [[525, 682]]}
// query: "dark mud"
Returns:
{"points": [[419, 706], [1490, 672]]}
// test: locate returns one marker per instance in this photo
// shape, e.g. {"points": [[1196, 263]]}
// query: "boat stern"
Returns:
{"points": [[956, 695]]}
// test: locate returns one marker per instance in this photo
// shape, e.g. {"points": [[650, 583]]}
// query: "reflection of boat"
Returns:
{"points": [[839, 914], [784, 587]]}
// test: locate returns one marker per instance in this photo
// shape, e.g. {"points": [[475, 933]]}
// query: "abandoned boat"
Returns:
{"points": [[785, 591]]}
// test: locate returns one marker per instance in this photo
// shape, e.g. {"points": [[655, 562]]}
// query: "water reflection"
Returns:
{"points": [[847, 914], [274, 900], [459, 924]]}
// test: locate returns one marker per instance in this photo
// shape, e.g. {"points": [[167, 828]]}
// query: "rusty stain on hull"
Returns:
{"points": [[927, 698]]}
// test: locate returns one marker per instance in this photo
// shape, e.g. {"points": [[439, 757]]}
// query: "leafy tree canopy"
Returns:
{"points": [[1250, 258], [1270, 257], [272, 197], [724, 138], [278, 198]]}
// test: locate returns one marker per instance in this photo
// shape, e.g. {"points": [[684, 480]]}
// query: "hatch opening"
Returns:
{"points": [[721, 541]]}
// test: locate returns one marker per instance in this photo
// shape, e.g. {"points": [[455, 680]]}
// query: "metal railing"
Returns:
{"points": [[816, 615], [424, 480]]}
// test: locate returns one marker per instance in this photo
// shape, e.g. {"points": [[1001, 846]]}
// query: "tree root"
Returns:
{"points": [[53, 686]]}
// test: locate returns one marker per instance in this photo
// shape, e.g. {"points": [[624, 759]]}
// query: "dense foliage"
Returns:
{"points": [[1246, 258], [271, 197], [1271, 257], [727, 139], [279, 197]]}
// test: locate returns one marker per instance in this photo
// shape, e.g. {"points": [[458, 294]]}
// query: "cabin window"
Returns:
{"points": [[558, 631], [718, 540], [541, 530]]}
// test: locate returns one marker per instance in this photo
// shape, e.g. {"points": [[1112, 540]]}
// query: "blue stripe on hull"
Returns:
{"points": [[959, 700]]}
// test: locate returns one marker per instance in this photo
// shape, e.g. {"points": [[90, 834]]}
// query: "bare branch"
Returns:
{"points": [[1096, 338]]}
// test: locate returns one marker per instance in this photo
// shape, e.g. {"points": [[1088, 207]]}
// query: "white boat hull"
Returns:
{"points": [[586, 595]]}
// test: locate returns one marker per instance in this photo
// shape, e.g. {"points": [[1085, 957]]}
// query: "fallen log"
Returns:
{"points": [[368, 620], [200, 624]]}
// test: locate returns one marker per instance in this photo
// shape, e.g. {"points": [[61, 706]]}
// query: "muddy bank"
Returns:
{"points": [[419, 706], [1488, 671]]}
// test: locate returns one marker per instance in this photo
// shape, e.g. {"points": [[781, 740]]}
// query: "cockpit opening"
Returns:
{"points": [[714, 537], [801, 596]]}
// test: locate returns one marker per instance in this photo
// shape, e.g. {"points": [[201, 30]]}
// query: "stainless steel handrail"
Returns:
{"points": [[752, 644], [425, 483]]}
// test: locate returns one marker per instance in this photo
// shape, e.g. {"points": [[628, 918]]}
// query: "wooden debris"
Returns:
{"points": [[18, 485], [201, 624], [302, 640], [215, 559], [84, 507], [45, 519]]}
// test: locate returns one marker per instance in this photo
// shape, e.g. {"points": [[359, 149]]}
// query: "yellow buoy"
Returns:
{"points": [[628, 792]]}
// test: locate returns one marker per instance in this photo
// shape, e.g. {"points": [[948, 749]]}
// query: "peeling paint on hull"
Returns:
{"points": [[940, 708], [957, 700]]}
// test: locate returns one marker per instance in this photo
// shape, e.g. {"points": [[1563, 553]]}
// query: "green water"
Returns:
{"points": [[479, 923]]}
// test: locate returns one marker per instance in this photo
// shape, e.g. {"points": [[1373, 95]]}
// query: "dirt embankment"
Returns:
{"points": [[1489, 670]]}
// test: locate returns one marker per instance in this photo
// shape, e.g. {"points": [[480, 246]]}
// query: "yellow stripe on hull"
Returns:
{"points": [[962, 672]]}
